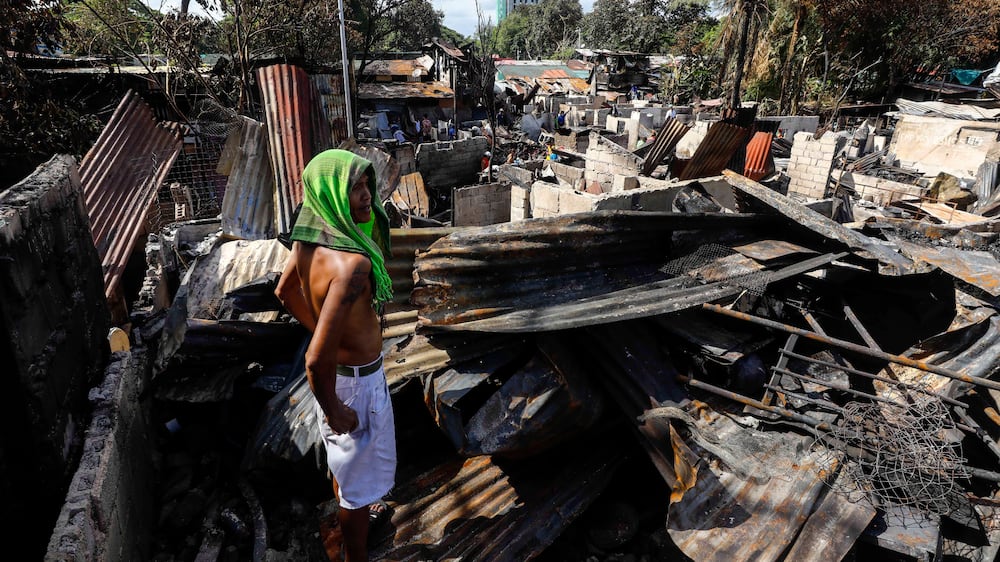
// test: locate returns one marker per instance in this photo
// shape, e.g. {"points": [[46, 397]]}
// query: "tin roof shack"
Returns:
{"points": [[400, 92], [543, 79], [615, 72]]}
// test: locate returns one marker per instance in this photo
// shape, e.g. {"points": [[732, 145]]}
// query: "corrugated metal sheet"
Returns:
{"points": [[289, 109], [478, 510], [403, 90], [248, 205], [330, 88], [948, 110], [120, 176], [758, 159], [568, 271], [714, 151], [889, 261], [977, 268], [545, 398], [666, 141], [528, 70], [406, 242]]}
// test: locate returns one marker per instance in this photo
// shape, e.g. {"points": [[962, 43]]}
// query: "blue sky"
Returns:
{"points": [[460, 15]]}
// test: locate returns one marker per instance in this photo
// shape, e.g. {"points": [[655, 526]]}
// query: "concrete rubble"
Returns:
{"points": [[651, 332]]}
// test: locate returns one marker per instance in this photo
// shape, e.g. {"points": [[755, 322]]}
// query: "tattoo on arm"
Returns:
{"points": [[356, 286]]}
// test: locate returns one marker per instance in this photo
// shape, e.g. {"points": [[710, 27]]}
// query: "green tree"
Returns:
{"points": [[412, 26], [541, 30]]}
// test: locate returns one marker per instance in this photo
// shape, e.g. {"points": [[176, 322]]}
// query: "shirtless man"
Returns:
{"points": [[334, 284]]}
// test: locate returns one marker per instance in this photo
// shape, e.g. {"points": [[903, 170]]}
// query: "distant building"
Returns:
{"points": [[505, 7]]}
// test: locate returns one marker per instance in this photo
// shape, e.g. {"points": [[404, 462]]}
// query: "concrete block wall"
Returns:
{"points": [[549, 200], [790, 125], [690, 141], [879, 190], [520, 203], [108, 512], [605, 159], [569, 174], [811, 161], [481, 205], [451, 163], [54, 321]]}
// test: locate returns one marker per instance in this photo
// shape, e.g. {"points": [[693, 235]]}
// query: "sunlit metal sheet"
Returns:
{"points": [[568, 271], [977, 268], [120, 176], [411, 196], [291, 112], [758, 160], [406, 242], [890, 262], [666, 141], [714, 151], [477, 510], [248, 205]]}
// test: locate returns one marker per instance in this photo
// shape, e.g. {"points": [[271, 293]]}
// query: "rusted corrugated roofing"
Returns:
{"points": [[331, 93], [397, 67], [758, 159], [402, 90], [666, 141], [248, 205], [478, 510], [291, 109], [571, 271], [449, 49], [120, 175], [714, 151]]}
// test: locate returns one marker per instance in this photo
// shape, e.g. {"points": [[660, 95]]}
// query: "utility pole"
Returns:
{"points": [[347, 70]]}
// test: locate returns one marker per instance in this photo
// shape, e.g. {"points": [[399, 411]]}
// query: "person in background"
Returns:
{"points": [[427, 129], [335, 284]]}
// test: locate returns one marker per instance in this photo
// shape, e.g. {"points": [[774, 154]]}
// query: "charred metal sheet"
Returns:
{"points": [[890, 262], [480, 281], [476, 510], [489, 272], [248, 205], [714, 151], [758, 160], [289, 108], [330, 89], [397, 67], [770, 250], [907, 531], [406, 242], [403, 90], [666, 141], [941, 212], [541, 403], [120, 176], [977, 268], [753, 493], [213, 354], [724, 342]]}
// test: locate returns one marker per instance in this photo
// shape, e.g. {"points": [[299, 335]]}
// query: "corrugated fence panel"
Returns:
{"points": [[714, 152], [286, 93], [758, 159], [248, 206], [120, 175]]}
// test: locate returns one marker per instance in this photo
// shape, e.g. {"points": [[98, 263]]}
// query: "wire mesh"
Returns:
{"points": [[754, 282], [899, 456], [194, 189]]}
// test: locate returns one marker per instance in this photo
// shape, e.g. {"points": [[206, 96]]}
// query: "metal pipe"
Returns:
{"points": [[879, 378], [347, 70], [849, 346]]}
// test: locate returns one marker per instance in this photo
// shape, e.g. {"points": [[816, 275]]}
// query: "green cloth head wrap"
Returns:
{"points": [[325, 218]]}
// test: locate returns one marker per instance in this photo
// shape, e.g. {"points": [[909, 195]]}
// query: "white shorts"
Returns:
{"points": [[363, 461]]}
